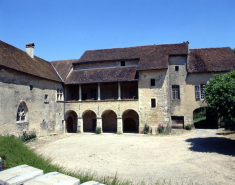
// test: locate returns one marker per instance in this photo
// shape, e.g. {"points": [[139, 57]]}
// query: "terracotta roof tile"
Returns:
{"points": [[63, 67], [151, 57], [211, 60], [109, 74], [14, 58]]}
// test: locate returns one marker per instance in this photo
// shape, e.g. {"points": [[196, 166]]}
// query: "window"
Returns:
{"points": [[46, 98], [175, 92], [199, 92], [123, 63], [60, 94], [21, 112], [153, 103], [176, 68], [31, 87], [152, 82]]}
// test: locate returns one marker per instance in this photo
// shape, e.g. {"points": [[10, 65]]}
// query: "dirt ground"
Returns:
{"points": [[199, 156]]}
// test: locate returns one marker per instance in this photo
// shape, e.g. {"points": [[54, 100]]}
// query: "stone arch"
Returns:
{"points": [[89, 121], [205, 117], [130, 119], [71, 121], [22, 112], [109, 121]]}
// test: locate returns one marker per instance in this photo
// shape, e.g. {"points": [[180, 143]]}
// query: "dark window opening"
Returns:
{"points": [[153, 103], [93, 94], [84, 96], [46, 96], [152, 82], [31, 87], [176, 68], [132, 94], [123, 63]]}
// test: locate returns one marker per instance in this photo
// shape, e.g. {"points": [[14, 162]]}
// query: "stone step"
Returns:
{"points": [[19, 174], [53, 178]]}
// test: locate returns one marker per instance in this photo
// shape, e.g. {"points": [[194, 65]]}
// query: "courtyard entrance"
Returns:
{"points": [[89, 121], [71, 122], [109, 121], [130, 121]]}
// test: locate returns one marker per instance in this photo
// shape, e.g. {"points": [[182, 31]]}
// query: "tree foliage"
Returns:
{"points": [[233, 50], [220, 94]]}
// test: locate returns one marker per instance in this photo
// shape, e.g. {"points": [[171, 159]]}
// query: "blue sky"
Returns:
{"points": [[64, 29]]}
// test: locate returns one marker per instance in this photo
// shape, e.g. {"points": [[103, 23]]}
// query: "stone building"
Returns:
{"points": [[119, 90]]}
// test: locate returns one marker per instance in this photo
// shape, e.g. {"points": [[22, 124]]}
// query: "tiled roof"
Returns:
{"points": [[63, 67], [109, 74], [211, 60], [14, 58], [150, 57]]}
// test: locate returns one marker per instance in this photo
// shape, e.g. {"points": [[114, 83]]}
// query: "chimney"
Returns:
{"points": [[30, 49]]}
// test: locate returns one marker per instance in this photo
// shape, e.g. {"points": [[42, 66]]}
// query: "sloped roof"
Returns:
{"points": [[108, 74], [63, 67], [211, 60], [14, 58], [150, 57]]}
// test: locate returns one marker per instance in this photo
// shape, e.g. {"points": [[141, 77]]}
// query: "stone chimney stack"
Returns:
{"points": [[30, 49]]}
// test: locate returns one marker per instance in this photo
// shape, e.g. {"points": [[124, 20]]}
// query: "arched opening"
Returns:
{"points": [[130, 121], [22, 113], [89, 121], [71, 122], [109, 121], [205, 117]]}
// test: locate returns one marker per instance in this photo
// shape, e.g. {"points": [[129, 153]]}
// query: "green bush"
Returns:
{"points": [[189, 127], [146, 129], [27, 136], [98, 130], [161, 128]]}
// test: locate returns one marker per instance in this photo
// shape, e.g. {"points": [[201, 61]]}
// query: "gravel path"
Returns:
{"points": [[195, 157]]}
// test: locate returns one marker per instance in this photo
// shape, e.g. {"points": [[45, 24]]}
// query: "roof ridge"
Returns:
{"points": [[211, 48], [135, 46], [63, 60]]}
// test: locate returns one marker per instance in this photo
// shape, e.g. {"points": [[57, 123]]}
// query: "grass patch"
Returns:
{"points": [[199, 119], [14, 153]]}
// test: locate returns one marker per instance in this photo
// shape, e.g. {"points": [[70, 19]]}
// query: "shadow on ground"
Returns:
{"points": [[218, 145]]}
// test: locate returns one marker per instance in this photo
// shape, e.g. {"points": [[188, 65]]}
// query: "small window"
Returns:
{"points": [[202, 91], [176, 68], [153, 103], [31, 87], [123, 63], [46, 96], [175, 92], [197, 92], [60, 94], [152, 82]]}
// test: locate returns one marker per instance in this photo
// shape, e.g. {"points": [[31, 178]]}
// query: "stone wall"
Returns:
{"points": [[101, 108], [153, 116], [42, 110]]}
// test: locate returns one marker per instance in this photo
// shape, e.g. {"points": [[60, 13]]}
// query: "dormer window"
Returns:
{"points": [[123, 63]]}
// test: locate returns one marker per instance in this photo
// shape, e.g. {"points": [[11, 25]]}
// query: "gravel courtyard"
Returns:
{"points": [[195, 157]]}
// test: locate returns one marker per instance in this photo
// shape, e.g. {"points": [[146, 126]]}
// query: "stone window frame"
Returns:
{"points": [[59, 94], [22, 112], [199, 92], [175, 92]]}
